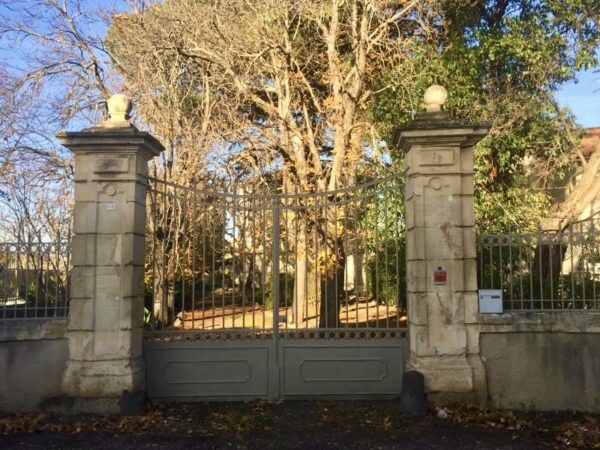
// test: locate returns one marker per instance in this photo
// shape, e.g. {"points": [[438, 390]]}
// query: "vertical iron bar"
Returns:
{"points": [[27, 252], [166, 233], [253, 266], [366, 250], [530, 260], [376, 251], [275, 265], [594, 263], [154, 216], [233, 256], [45, 277], [264, 266], [336, 261], [541, 251], [306, 211], [561, 278], [296, 218], [153, 213], [194, 225], [213, 267], [203, 278], [385, 251], [346, 236], [286, 251], [521, 296], [5, 283], [326, 259], [57, 259], [356, 245], [318, 296], [37, 251], [510, 270], [581, 262], [224, 253], [184, 240], [501, 271], [244, 211], [572, 266], [491, 253]]}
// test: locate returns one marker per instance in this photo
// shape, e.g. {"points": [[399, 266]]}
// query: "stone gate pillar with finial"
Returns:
{"points": [[105, 371], [440, 252]]}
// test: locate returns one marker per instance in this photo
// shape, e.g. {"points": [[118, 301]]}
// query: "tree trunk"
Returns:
{"points": [[332, 285]]}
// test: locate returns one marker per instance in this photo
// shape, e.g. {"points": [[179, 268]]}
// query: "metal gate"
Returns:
{"points": [[292, 295]]}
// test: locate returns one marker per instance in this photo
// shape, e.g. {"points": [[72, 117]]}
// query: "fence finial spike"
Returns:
{"points": [[435, 97], [119, 109]]}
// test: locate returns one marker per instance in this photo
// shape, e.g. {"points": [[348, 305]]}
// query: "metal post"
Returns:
{"points": [[275, 270]]}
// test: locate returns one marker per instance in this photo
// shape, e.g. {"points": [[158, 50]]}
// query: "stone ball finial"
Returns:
{"points": [[435, 97], [119, 109]]}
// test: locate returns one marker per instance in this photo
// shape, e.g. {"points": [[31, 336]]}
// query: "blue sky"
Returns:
{"points": [[583, 98]]}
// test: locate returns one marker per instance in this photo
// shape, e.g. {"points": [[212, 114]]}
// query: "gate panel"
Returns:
{"points": [[343, 370], [211, 370], [292, 295]]}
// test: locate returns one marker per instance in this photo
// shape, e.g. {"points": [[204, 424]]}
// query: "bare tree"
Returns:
{"points": [[291, 82], [55, 72]]}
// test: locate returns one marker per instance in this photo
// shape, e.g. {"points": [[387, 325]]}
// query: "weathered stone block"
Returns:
{"points": [[81, 314], [441, 209], [415, 244], [468, 188], [472, 338], [467, 211], [466, 161], [417, 305], [444, 373], [443, 241], [471, 307], [132, 312], [121, 217], [416, 276], [82, 341], [419, 339], [81, 283], [115, 344], [469, 239], [447, 334]]}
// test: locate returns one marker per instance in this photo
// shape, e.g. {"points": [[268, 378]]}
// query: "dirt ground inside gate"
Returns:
{"points": [[301, 425], [232, 312]]}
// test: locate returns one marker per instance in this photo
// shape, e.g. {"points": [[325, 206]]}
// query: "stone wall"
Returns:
{"points": [[542, 361], [33, 354]]}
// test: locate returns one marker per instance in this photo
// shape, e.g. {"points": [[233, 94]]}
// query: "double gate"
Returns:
{"points": [[293, 295]]}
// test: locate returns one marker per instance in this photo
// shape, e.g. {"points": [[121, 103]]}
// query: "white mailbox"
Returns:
{"points": [[490, 301]]}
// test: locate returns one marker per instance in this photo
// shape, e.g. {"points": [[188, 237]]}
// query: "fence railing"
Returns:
{"points": [[275, 263], [543, 270], [34, 280]]}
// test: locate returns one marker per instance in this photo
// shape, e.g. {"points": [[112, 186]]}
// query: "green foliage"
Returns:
{"points": [[384, 229], [501, 61]]}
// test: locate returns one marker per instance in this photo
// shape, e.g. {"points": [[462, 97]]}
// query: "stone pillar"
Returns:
{"points": [[440, 253], [105, 371]]}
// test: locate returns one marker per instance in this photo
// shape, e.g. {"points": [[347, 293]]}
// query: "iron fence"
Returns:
{"points": [[34, 279], [544, 270], [265, 265]]}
